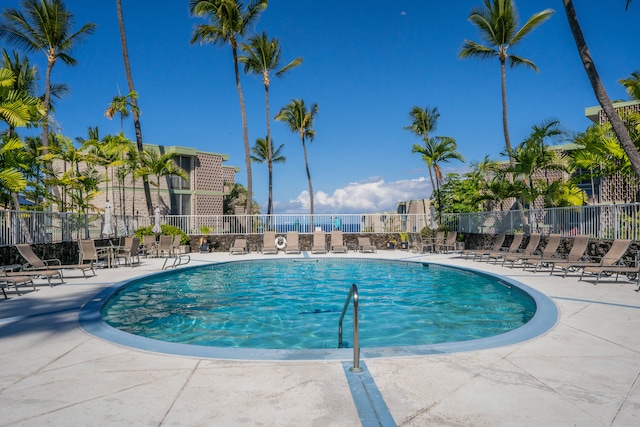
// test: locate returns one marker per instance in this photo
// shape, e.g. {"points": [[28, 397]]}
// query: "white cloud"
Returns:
{"points": [[370, 195]]}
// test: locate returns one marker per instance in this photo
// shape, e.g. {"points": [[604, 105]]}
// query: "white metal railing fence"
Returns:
{"points": [[47, 227], [598, 221]]}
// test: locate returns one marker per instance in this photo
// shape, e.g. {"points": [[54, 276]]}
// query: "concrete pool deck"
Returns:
{"points": [[584, 371]]}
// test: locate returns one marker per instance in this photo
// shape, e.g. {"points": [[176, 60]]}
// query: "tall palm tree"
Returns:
{"points": [[617, 125], [44, 26], [298, 118], [229, 20], [134, 102], [263, 57], [423, 121], [262, 152], [498, 25], [438, 149]]}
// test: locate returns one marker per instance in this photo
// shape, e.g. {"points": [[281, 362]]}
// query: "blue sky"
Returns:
{"points": [[366, 64]]}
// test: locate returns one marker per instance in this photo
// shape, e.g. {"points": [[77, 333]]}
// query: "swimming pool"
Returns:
{"points": [[281, 307]]}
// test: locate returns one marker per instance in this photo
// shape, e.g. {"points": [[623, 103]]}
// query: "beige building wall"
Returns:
{"points": [[201, 195]]}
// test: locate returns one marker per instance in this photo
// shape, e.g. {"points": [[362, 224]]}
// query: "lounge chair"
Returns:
{"points": [[613, 257], [239, 246], [269, 243], [549, 251], [364, 245], [293, 245], [576, 254], [513, 249], [449, 243], [337, 243], [633, 273], [319, 243], [34, 262], [529, 250], [15, 280], [473, 253]]}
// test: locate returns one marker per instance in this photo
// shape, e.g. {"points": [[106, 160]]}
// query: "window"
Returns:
{"points": [[180, 204], [178, 183]]}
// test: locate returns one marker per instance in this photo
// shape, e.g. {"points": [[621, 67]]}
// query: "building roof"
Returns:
{"points": [[593, 113]]}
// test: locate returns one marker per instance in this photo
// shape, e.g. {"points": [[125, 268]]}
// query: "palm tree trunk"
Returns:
{"points": [[245, 130], [306, 163], [505, 122], [134, 103], [269, 152], [598, 88]]}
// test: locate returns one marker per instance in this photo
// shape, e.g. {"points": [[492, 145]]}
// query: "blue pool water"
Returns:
{"points": [[296, 304]]}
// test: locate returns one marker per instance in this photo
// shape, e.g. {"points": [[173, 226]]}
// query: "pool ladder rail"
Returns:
{"points": [[353, 295]]}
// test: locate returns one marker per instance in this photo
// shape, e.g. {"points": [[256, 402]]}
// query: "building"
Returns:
{"points": [[200, 194], [616, 188]]}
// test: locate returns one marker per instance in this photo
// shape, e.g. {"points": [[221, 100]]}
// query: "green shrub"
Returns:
{"points": [[166, 229]]}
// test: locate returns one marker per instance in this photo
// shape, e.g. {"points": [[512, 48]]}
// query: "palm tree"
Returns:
{"points": [[44, 26], [498, 24], [159, 165], [632, 85], [134, 101], [617, 125], [229, 20], [298, 119], [120, 104], [262, 57], [423, 121], [438, 149], [262, 152], [17, 108]]}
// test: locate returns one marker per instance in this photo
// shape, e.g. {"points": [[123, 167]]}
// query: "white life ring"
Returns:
{"points": [[281, 242]]}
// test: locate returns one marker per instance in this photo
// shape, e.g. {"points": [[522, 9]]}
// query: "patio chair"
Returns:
{"points": [[239, 246], [436, 242], [473, 253], [165, 245], [150, 245], [319, 243], [175, 244], [269, 243], [6, 281], [129, 251], [513, 248], [34, 262], [337, 242], [549, 251], [89, 252], [293, 245], [449, 243], [613, 257], [529, 250], [576, 254], [364, 245]]}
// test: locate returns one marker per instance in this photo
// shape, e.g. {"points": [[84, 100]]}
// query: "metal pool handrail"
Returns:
{"points": [[353, 294]]}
